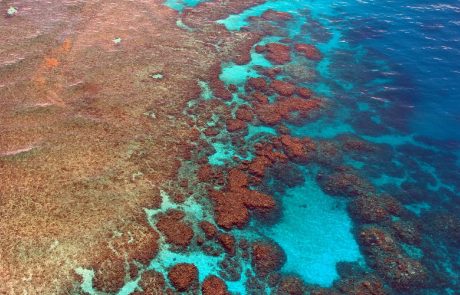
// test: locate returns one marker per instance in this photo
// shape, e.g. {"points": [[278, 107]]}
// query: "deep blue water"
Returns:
{"points": [[420, 41], [405, 53], [391, 70]]}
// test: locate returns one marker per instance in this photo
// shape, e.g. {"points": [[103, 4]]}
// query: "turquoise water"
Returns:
{"points": [[315, 232], [390, 75], [179, 5]]}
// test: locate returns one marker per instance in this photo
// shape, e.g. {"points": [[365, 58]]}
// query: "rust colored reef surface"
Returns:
{"points": [[89, 134]]}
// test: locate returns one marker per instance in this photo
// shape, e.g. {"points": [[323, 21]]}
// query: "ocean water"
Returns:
{"points": [[391, 76]]}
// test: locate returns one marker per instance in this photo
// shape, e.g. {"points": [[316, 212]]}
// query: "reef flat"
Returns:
{"points": [[212, 147]]}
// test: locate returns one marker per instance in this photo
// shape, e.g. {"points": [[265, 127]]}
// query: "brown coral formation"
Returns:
{"points": [[231, 206], [235, 125], [228, 242], [213, 285], [385, 255], [273, 15], [276, 53], [133, 242], [259, 84], [345, 183], [367, 285], [209, 229], [266, 155], [267, 258], [407, 231], [369, 209], [298, 149], [183, 276], [309, 51], [290, 285], [151, 282], [283, 88], [283, 108], [207, 173], [304, 92], [244, 113], [217, 86], [176, 231]]}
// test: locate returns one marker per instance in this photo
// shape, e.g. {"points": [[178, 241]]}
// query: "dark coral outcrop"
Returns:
{"points": [[183, 276], [345, 183], [151, 282], [277, 53], [267, 257], [213, 285], [283, 88], [177, 232], [309, 51]]}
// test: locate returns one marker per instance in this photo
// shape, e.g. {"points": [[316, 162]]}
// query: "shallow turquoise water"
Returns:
{"points": [[315, 233], [181, 4]]}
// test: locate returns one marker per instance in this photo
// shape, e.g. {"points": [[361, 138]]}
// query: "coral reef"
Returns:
{"points": [[151, 282], [87, 159], [290, 285], [309, 51], [176, 231], [136, 242], [282, 87], [366, 285], [276, 53], [345, 183], [213, 285], [183, 276], [272, 15], [267, 257]]}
